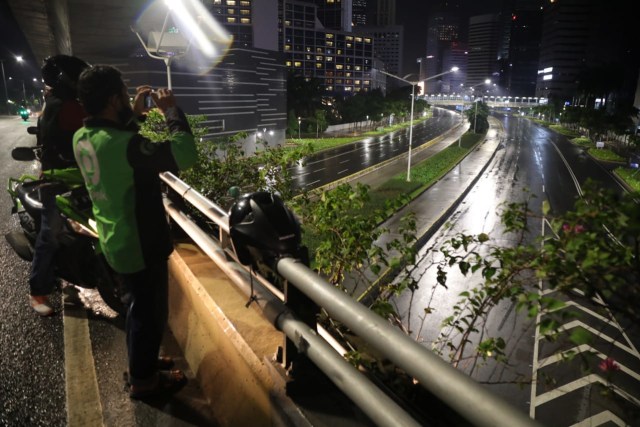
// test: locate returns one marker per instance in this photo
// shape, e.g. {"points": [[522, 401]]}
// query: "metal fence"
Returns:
{"points": [[455, 389]]}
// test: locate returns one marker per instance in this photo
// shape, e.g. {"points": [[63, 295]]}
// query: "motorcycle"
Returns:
{"points": [[79, 260], [24, 114]]}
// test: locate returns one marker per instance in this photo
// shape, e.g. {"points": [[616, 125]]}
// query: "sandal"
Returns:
{"points": [[168, 382], [165, 363]]}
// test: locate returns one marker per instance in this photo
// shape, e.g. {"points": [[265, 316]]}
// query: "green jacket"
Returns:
{"points": [[120, 169]]}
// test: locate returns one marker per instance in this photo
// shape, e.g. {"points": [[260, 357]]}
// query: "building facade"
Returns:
{"points": [[343, 61], [388, 45], [485, 43]]}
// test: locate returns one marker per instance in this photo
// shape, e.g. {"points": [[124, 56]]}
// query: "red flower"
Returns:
{"points": [[609, 365], [579, 228]]}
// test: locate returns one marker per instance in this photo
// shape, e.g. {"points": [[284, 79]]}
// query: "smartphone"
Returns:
{"points": [[148, 101]]}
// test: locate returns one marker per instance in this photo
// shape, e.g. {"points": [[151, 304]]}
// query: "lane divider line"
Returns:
{"points": [[84, 408]]}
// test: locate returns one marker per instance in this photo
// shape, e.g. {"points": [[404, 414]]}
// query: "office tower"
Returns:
{"points": [[335, 14], [520, 68], [485, 41], [388, 45], [343, 61], [235, 15], [588, 46], [360, 13], [385, 13], [443, 29]]}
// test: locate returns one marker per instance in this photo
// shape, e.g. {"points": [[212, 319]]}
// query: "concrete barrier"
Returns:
{"points": [[227, 345]]}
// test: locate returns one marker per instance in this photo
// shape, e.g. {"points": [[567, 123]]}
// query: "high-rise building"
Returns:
{"points": [[388, 45], [335, 14], [385, 13], [443, 29], [236, 16], [587, 45], [360, 13], [485, 43], [343, 61], [520, 68]]}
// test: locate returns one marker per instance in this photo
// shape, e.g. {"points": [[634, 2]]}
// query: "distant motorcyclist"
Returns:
{"points": [[61, 117]]}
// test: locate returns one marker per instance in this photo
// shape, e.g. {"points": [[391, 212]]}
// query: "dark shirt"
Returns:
{"points": [[59, 121]]}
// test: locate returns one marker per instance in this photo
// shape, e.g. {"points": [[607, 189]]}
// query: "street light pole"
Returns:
{"points": [[4, 80], [413, 96], [475, 117], [299, 122], [413, 89]]}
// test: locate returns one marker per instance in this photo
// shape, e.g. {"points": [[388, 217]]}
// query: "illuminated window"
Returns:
{"points": [[329, 81], [318, 64], [329, 36], [358, 68], [339, 81], [329, 58], [308, 57], [328, 88], [245, 20], [288, 63], [231, 19], [319, 57], [308, 48], [348, 74], [297, 64], [349, 38], [287, 23], [245, 12], [231, 11], [349, 45], [357, 82], [231, 2], [329, 43], [217, 1], [359, 39], [287, 47], [367, 40], [245, 3], [348, 88], [319, 50], [366, 82], [339, 51], [339, 66]]}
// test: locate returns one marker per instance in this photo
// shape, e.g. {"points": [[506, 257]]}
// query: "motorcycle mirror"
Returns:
{"points": [[32, 130], [23, 153]]}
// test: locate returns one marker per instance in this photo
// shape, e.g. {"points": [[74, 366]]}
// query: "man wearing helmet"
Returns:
{"points": [[61, 117]]}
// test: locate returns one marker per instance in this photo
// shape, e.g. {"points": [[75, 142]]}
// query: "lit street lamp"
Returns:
{"points": [[299, 122], [413, 89]]}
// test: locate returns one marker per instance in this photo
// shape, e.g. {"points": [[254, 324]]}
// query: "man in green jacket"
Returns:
{"points": [[120, 169]]}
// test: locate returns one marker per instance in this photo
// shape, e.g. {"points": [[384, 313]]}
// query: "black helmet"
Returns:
{"points": [[263, 228], [62, 70]]}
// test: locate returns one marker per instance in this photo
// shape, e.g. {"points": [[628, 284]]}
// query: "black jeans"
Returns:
{"points": [[42, 277], [147, 299]]}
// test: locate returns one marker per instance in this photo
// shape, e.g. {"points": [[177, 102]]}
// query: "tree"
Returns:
{"points": [[477, 116], [304, 95]]}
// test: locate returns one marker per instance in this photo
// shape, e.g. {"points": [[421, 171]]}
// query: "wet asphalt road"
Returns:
{"points": [[331, 165], [31, 348], [548, 166], [33, 381]]}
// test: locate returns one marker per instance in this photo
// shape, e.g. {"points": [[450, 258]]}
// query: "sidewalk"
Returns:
{"points": [[435, 204]]}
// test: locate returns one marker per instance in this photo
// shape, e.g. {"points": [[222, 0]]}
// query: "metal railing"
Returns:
{"points": [[461, 393]]}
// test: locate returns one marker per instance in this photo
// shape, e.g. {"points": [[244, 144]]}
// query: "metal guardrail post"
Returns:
{"points": [[461, 393], [379, 407], [457, 390]]}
